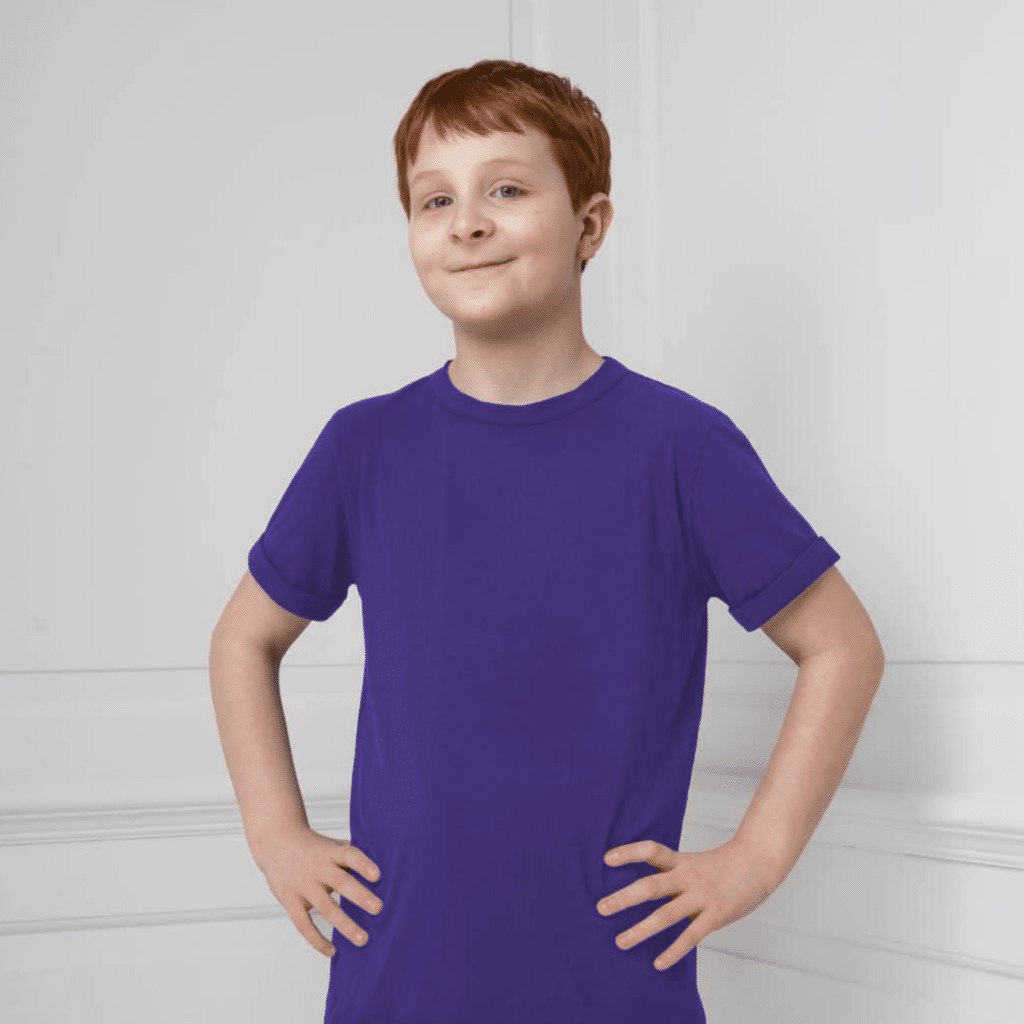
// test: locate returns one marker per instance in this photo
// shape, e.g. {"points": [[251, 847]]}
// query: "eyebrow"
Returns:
{"points": [[486, 163]]}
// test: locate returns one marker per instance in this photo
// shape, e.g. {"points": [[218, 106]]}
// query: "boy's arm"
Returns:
{"points": [[246, 649], [827, 632]]}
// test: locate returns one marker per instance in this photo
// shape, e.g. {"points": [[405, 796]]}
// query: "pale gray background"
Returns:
{"points": [[203, 255]]}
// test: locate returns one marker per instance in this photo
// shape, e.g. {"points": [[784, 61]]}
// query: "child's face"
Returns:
{"points": [[467, 212]]}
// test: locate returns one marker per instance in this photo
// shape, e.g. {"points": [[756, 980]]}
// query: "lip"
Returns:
{"points": [[485, 266]]}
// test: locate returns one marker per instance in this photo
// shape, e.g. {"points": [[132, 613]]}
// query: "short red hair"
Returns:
{"points": [[503, 95]]}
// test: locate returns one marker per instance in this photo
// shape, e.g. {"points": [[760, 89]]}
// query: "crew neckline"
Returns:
{"points": [[609, 373]]}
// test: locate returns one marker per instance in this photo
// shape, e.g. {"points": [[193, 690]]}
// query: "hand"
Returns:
{"points": [[712, 889], [303, 868]]}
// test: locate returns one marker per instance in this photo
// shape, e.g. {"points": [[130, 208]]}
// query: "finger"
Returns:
{"points": [[333, 914], [353, 857], [646, 850], [304, 923], [689, 939], [344, 884], [662, 918], [650, 887]]}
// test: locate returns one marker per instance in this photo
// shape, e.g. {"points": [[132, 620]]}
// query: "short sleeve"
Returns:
{"points": [[756, 551], [300, 558]]}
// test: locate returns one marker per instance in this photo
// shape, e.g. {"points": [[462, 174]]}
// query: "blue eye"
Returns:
{"points": [[427, 206]]}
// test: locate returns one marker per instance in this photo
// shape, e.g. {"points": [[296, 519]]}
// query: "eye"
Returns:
{"points": [[427, 206]]}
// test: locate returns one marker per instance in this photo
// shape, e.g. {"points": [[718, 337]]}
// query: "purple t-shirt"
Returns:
{"points": [[534, 582]]}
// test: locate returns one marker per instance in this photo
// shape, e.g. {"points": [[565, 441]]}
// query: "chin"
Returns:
{"points": [[480, 307]]}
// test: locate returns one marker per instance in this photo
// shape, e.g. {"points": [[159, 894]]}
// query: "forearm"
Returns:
{"points": [[833, 695], [244, 682]]}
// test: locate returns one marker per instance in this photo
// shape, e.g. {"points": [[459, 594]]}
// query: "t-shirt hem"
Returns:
{"points": [[290, 598], [819, 557]]}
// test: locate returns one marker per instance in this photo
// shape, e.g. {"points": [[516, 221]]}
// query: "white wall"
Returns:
{"points": [[203, 255]]}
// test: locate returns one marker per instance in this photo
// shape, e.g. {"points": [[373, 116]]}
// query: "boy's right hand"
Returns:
{"points": [[303, 868]]}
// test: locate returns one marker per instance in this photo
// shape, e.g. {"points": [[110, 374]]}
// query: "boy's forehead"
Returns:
{"points": [[436, 153]]}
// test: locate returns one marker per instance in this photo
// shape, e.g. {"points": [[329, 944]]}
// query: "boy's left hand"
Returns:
{"points": [[712, 889]]}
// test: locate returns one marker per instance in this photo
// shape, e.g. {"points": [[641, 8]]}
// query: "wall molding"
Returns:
{"points": [[757, 937], [866, 820], [973, 829], [904, 969]]}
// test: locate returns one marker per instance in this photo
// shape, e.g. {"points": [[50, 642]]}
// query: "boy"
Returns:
{"points": [[535, 532]]}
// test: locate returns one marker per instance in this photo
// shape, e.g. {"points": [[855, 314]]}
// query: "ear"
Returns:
{"points": [[827, 615]]}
